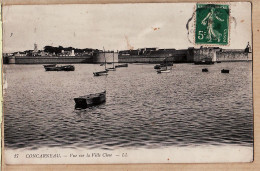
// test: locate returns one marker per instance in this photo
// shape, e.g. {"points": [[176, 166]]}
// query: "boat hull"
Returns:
{"points": [[100, 73], [162, 65], [205, 70], [60, 68], [163, 71], [111, 69], [123, 65], [84, 102], [225, 71]]}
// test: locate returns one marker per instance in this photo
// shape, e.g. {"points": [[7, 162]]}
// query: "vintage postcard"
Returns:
{"points": [[128, 83]]}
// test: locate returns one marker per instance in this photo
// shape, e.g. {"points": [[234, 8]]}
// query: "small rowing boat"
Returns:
{"points": [[60, 68], [224, 71], [205, 70], [163, 71], [122, 65], [90, 100], [101, 73]]}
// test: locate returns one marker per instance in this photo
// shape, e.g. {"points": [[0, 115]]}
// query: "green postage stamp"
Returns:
{"points": [[212, 24]]}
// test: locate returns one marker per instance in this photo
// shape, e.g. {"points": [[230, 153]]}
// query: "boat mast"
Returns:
{"points": [[166, 62], [113, 59], [105, 58]]}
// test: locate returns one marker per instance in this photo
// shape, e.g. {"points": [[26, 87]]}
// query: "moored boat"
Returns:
{"points": [[205, 70], [159, 66], [101, 73], [105, 72], [90, 100], [224, 71], [51, 65], [163, 71], [60, 68], [122, 65], [164, 68], [111, 69]]}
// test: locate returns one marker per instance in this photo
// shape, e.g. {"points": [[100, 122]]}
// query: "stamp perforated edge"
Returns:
{"points": [[229, 25]]}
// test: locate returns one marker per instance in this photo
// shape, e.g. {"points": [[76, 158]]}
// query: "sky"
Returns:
{"points": [[112, 26]]}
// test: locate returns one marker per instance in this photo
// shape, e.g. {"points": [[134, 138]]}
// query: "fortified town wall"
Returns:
{"points": [[233, 55], [205, 54], [218, 54], [49, 60], [144, 55], [213, 54], [152, 55]]}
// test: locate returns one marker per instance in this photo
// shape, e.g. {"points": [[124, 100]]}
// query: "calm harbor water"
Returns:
{"points": [[144, 109]]}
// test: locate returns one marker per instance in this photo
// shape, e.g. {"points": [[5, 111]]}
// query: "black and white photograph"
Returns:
{"points": [[128, 83]]}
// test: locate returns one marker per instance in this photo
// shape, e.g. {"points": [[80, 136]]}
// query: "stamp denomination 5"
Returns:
{"points": [[212, 24]]}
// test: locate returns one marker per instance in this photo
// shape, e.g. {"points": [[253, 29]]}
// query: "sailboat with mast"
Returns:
{"points": [[105, 72], [166, 69], [112, 68]]}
